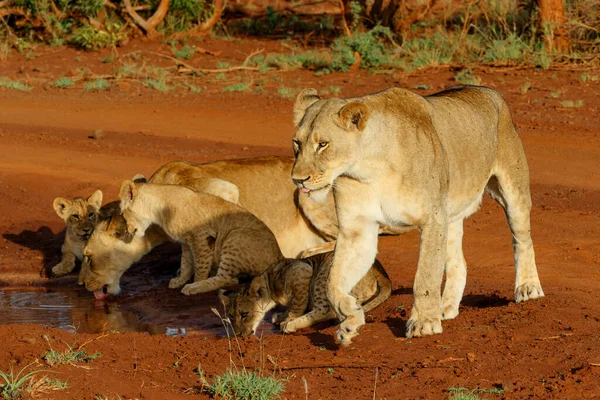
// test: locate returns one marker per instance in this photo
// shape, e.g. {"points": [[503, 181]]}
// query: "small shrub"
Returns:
{"points": [[63, 82], [158, 84], [98, 84], [244, 385], [185, 53], [525, 88], [466, 77], [571, 103], [68, 357], [237, 87], [286, 92], [7, 83]]}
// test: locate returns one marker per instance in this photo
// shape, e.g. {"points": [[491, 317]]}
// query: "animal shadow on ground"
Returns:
{"points": [[484, 301], [43, 240]]}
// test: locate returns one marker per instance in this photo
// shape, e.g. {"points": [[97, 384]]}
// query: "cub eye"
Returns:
{"points": [[244, 315], [75, 217], [91, 215], [322, 145]]}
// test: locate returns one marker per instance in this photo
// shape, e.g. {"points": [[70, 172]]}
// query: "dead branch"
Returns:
{"points": [[252, 10], [5, 12], [207, 25], [149, 26]]}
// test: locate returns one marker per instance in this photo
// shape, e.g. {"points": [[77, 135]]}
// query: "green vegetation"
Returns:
{"points": [[185, 53], [56, 383], [242, 385], [287, 92], [97, 84], [63, 82], [462, 393], [571, 103], [13, 386], [7, 83], [237, 87], [68, 357], [466, 77]]}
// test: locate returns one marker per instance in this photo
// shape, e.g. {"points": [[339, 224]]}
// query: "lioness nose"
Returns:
{"points": [[300, 181]]}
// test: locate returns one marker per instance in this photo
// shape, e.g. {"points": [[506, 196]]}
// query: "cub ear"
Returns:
{"points": [[257, 288], [60, 206], [127, 194], [305, 99], [139, 178], [354, 116], [96, 199], [224, 298]]}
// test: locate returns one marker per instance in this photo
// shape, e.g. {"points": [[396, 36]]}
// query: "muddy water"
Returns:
{"points": [[76, 311]]}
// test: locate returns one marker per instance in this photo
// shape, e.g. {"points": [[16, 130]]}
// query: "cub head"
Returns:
{"points": [[131, 204], [108, 253], [79, 214], [327, 141], [247, 307]]}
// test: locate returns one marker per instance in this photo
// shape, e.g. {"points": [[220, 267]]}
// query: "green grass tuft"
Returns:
{"points": [[466, 77], [158, 84], [243, 385], [185, 53], [7, 83], [462, 393], [69, 357], [98, 84], [13, 385], [237, 87], [63, 82], [571, 103]]}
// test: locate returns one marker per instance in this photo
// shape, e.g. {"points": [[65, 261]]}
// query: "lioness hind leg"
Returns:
{"points": [[456, 271], [511, 191]]}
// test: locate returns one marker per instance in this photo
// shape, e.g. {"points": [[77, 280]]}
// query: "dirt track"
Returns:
{"points": [[548, 348]]}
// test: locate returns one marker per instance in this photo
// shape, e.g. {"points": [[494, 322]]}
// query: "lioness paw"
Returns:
{"points": [[528, 290], [449, 311], [423, 327]]}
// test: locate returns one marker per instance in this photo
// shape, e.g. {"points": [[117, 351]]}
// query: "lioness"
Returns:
{"points": [[301, 285], [263, 187], [211, 231], [403, 160], [80, 215]]}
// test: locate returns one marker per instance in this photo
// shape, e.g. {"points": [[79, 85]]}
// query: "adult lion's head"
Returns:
{"points": [[327, 142]]}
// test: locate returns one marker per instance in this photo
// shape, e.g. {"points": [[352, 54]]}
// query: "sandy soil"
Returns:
{"points": [[548, 348]]}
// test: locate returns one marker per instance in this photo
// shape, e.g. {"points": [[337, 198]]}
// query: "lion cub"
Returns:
{"points": [[301, 285], [81, 216], [211, 230]]}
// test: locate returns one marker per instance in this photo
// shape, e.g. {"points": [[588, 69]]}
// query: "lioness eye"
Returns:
{"points": [[322, 145], [75, 217], [90, 215], [244, 315], [297, 145]]}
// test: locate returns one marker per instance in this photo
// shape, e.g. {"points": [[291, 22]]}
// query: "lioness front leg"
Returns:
{"points": [[186, 268], [425, 317], [354, 254], [66, 265]]}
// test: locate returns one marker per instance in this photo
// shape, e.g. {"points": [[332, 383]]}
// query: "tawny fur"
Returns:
{"points": [[81, 216], [212, 232], [301, 286], [404, 161]]}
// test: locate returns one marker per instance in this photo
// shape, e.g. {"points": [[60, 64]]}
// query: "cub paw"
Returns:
{"points": [[423, 327], [176, 283], [288, 327], [528, 290], [278, 317], [189, 289], [61, 269]]}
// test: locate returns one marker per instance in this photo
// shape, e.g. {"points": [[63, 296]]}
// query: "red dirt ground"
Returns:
{"points": [[548, 348]]}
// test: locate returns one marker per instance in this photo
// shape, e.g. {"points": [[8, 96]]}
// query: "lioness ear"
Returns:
{"points": [[139, 178], [305, 99], [354, 116], [60, 206], [96, 199], [127, 194], [224, 298]]}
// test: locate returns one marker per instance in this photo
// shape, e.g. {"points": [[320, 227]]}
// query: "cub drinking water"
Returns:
{"points": [[301, 285], [211, 230], [81, 216]]}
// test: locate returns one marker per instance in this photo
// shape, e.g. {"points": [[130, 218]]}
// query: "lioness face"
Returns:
{"points": [[247, 307], [326, 142], [79, 214], [109, 252]]}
